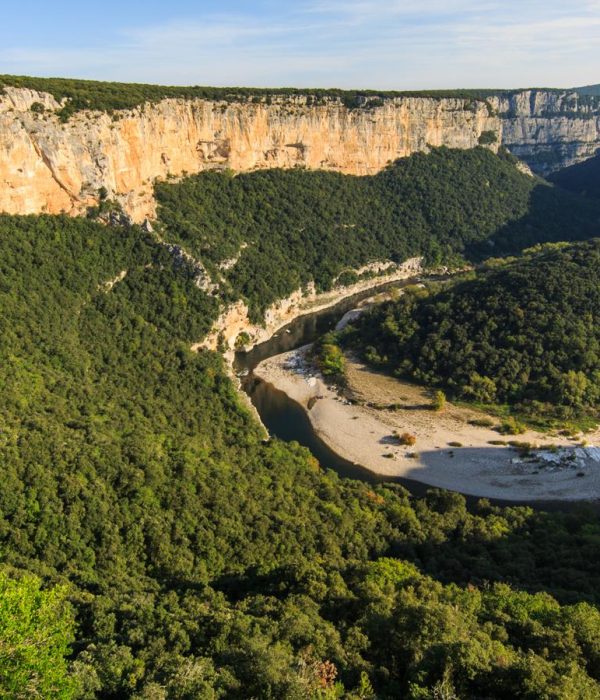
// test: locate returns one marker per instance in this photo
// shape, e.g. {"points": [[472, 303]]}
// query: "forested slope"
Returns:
{"points": [[203, 563], [299, 226], [583, 178], [526, 333], [589, 90]]}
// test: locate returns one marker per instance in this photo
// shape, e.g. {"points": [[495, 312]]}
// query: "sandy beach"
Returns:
{"points": [[449, 452]]}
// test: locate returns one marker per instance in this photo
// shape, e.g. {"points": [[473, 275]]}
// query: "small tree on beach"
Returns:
{"points": [[439, 401]]}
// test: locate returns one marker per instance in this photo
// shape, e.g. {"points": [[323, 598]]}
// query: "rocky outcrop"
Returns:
{"points": [[234, 321], [50, 166]]}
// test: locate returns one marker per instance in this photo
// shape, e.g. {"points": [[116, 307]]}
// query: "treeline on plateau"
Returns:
{"points": [[152, 545], [110, 96], [287, 228], [105, 96], [525, 333]]}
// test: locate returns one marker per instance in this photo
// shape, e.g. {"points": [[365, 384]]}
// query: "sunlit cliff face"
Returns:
{"points": [[50, 166]]}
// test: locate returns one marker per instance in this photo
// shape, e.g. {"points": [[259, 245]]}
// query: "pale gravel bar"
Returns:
{"points": [[363, 435]]}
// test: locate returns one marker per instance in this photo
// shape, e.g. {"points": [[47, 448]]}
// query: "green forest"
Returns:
{"points": [[593, 90], [78, 94], [110, 96], [300, 226], [583, 178], [525, 332], [154, 545]]}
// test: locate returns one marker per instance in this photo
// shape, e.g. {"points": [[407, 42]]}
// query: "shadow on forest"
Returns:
{"points": [[543, 223], [536, 555], [469, 540], [583, 177]]}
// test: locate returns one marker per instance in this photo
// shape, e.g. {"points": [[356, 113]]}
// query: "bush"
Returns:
{"points": [[332, 361], [439, 401], [36, 629], [347, 278], [406, 439], [482, 422], [329, 356], [242, 340], [511, 426], [487, 137]]}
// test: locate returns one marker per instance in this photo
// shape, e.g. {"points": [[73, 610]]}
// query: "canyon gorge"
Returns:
{"points": [[50, 165]]}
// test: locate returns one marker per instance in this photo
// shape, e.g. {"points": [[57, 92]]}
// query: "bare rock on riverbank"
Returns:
{"points": [[234, 322]]}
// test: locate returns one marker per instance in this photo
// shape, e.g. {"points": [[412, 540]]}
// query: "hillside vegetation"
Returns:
{"points": [[202, 562], [589, 90], [299, 226], [583, 178], [109, 96], [527, 333]]}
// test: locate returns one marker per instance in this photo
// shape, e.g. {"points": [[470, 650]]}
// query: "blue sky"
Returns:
{"points": [[383, 44]]}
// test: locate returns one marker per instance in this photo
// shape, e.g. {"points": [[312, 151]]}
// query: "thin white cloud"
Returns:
{"points": [[353, 43], [218, 30], [391, 8]]}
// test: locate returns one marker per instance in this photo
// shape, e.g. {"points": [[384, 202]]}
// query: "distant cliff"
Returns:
{"points": [[47, 165], [549, 129]]}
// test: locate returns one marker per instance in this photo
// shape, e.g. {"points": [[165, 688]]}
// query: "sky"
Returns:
{"points": [[378, 44]]}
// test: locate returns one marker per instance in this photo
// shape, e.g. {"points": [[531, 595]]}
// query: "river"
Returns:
{"points": [[287, 420]]}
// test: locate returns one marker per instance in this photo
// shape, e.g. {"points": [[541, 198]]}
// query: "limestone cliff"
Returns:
{"points": [[234, 319], [549, 130], [50, 166]]}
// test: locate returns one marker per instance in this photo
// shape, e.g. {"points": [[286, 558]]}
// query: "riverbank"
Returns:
{"points": [[233, 329], [449, 451]]}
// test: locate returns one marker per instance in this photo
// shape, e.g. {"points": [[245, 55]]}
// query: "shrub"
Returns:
{"points": [[439, 401], [372, 356], [481, 388], [524, 448], [482, 422], [406, 439], [346, 278], [36, 629], [242, 340], [487, 137], [329, 356], [511, 426]]}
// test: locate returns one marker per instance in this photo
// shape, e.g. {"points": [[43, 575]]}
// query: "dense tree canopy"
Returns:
{"points": [[36, 628], [583, 178], [593, 90], [528, 331], [298, 226], [109, 96], [202, 562]]}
